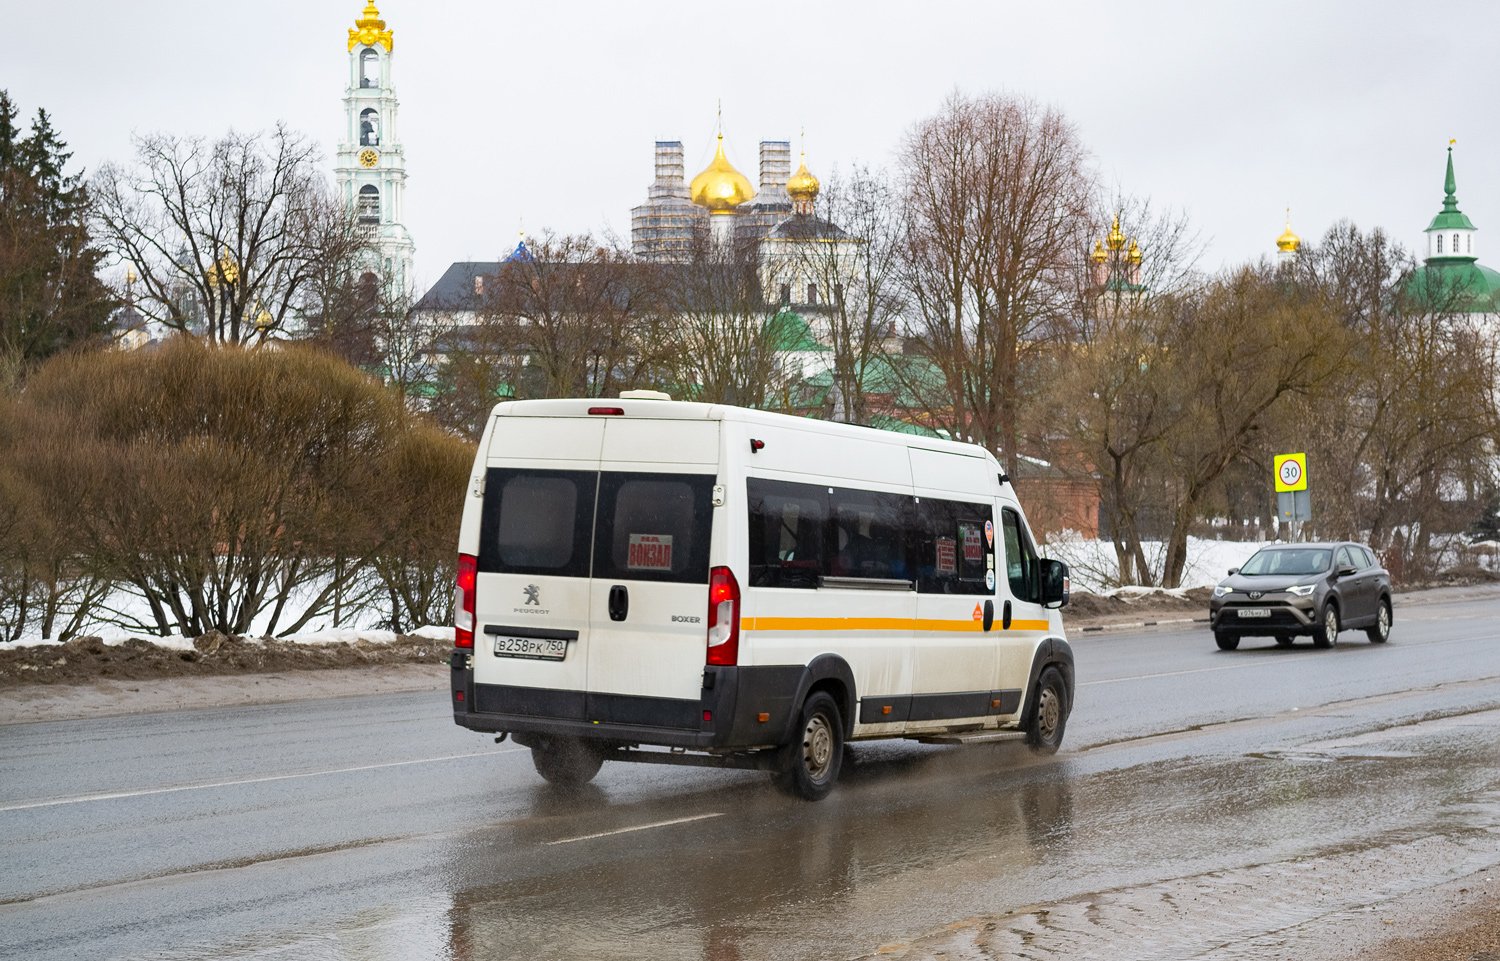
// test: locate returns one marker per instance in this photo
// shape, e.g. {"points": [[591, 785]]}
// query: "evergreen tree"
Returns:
{"points": [[50, 294], [61, 197]]}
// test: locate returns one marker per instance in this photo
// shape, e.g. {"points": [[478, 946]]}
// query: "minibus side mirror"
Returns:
{"points": [[1055, 584], [1233, 571]]}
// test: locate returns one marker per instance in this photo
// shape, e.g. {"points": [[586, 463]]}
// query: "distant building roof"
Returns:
{"points": [[455, 289]]}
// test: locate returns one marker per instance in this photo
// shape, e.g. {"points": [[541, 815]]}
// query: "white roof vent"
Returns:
{"points": [[644, 395]]}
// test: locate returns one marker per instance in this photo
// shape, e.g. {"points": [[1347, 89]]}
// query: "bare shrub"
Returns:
{"points": [[225, 483]]}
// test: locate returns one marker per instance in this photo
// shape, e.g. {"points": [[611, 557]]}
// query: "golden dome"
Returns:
{"points": [[224, 271], [802, 185], [720, 187], [1135, 253], [1288, 242], [370, 30], [1116, 239], [1099, 255]]}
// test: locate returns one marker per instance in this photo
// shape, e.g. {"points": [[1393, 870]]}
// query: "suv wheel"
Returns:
{"points": [[1382, 627], [1328, 632], [1226, 642], [810, 761]]}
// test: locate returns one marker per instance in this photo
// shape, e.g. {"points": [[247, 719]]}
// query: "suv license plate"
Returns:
{"points": [[534, 648], [1254, 612]]}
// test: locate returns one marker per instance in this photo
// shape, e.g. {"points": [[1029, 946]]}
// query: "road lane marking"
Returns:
{"points": [[1196, 670], [638, 827], [253, 780]]}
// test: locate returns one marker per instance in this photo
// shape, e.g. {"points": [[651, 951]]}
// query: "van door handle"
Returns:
{"points": [[619, 602], [1005, 616], [989, 614]]}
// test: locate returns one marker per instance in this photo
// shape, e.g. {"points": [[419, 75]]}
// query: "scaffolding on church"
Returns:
{"points": [[668, 224]]}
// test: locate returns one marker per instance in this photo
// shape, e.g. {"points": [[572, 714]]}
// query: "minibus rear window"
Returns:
{"points": [[654, 527], [537, 522], [787, 526], [872, 534]]}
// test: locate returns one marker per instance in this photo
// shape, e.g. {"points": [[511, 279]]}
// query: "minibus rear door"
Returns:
{"points": [[536, 538], [648, 605]]}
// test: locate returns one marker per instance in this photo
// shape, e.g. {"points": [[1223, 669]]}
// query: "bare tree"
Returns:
{"points": [[1107, 411], [727, 336], [228, 237], [850, 247], [1239, 348], [998, 200], [573, 307]]}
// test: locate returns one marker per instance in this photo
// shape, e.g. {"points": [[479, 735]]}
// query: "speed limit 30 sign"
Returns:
{"points": [[1291, 472]]}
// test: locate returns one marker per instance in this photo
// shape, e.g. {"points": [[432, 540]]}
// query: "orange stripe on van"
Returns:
{"points": [[877, 624]]}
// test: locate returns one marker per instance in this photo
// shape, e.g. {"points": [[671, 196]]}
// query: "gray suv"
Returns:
{"points": [[1292, 589]]}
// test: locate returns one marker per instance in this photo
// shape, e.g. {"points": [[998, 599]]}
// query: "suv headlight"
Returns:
{"points": [[1222, 589], [1302, 590]]}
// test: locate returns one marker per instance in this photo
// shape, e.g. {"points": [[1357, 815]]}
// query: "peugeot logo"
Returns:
{"points": [[1254, 595], [531, 594]]}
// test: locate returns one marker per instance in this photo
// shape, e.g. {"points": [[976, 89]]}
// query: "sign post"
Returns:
{"points": [[1292, 503]]}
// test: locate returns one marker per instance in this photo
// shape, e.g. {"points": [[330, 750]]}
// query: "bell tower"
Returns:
{"points": [[371, 167]]}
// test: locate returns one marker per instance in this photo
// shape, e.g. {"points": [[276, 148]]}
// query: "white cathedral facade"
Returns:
{"points": [[371, 167]]}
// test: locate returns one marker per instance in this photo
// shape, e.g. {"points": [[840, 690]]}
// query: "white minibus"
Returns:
{"points": [[747, 589]]}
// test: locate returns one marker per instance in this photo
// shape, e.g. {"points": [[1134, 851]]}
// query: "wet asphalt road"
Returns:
{"points": [[373, 828]]}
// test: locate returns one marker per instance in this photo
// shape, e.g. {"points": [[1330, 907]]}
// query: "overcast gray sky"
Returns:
{"points": [[547, 111]]}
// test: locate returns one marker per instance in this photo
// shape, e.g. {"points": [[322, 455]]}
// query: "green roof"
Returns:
{"points": [[1450, 218], [789, 332], [1461, 286]]}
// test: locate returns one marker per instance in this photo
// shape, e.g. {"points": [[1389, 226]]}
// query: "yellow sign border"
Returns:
{"points": [[1280, 459]]}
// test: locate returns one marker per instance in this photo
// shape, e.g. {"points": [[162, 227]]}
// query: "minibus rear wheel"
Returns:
{"points": [[1044, 730], [810, 761], [566, 761]]}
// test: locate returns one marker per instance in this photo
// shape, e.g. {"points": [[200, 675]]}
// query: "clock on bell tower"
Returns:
{"points": [[371, 167]]}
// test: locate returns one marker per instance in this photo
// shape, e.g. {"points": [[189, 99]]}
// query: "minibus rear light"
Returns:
{"points": [[723, 617], [617, 411], [463, 601]]}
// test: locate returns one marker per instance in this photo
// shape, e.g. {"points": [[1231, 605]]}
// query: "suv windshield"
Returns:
{"points": [[1288, 560]]}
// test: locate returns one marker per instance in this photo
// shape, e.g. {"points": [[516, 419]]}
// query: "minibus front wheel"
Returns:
{"points": [[566, 761], [810, 761], [1044, 729]]}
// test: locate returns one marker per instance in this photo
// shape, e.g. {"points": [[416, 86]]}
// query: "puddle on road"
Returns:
{"points": [[1327, 757], [1273, 910]]}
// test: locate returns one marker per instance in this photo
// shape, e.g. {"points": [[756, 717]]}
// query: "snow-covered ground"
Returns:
{"points": [[126, 606], [1092, 565], [114, 635]]}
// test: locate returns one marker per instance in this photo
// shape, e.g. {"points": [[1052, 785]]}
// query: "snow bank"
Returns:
{"points": [[178, 642]]}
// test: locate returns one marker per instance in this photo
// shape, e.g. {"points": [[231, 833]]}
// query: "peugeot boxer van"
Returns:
{"points": [[747, 590]]}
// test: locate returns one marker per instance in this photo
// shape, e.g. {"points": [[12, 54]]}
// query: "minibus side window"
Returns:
{"points": [[787, 523], [537, 522], [654, 527], [951, 552], [869, 534], [1021, 567]]}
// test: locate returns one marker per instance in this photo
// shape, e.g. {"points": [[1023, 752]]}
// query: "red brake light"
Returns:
{"points": [[618, 411], [463, 601], [723, 617]]}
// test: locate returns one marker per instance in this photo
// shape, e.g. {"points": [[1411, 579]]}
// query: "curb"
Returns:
{"points": [[1133, 626]]}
